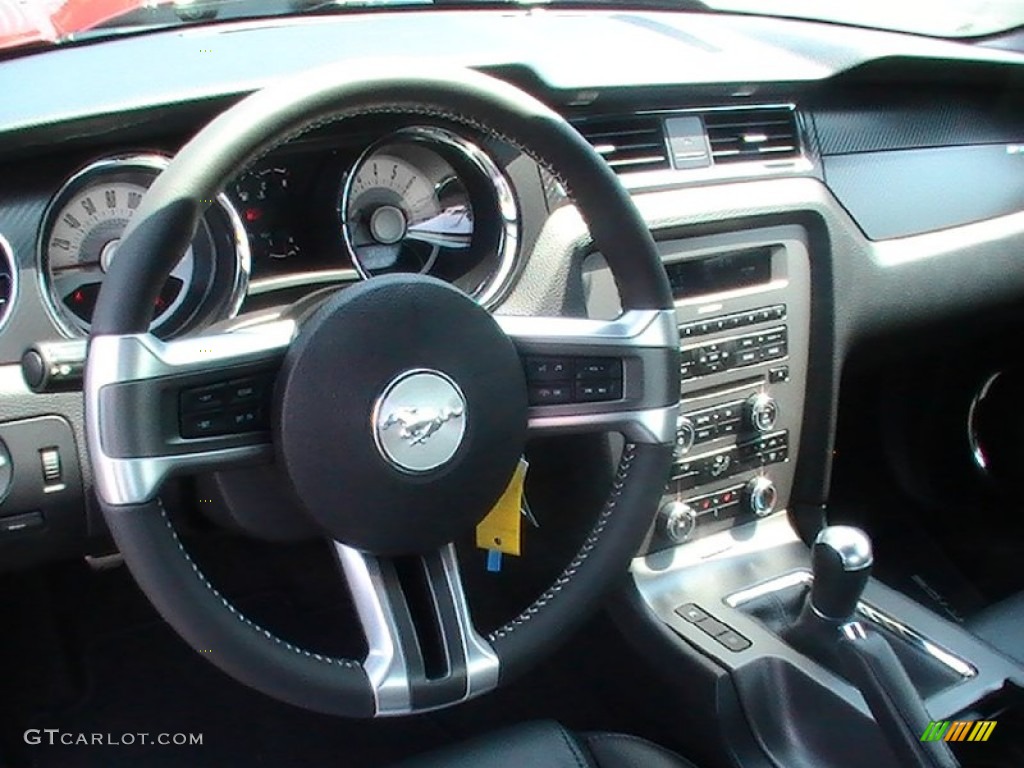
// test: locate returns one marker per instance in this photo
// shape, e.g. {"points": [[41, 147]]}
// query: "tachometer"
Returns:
{"points": [[426, 200], [82, 231]]}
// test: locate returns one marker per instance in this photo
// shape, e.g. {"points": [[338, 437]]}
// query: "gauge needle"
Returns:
{"points": [[452, 228]]}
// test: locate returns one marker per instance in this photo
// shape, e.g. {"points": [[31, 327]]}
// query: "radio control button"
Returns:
{"points": [[731, 428], [704, 434], [678, 521], [747, 357], [702, 418], [685, 436], [762, 496], [762, 412]]}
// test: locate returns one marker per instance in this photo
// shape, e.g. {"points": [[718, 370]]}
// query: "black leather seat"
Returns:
{"points": [[546, 744], [1002, 626]]}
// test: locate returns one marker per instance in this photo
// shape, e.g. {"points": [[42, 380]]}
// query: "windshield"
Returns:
{"points": [[25, 22], [940, 18]]}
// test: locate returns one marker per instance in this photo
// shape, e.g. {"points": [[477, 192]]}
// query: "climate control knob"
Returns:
{"points": [[761, 495], [685, 436], [677, 520], [761, 412]]}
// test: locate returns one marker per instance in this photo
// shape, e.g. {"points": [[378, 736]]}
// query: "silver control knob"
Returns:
{"points": [[678, 520], [685, 436], [762, 412], [762, 496]]}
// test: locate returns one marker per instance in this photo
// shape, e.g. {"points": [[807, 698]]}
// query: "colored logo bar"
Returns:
{"points": [[959, 730]]}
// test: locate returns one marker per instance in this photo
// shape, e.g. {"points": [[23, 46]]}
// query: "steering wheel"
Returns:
{"points": [[345, 376]]}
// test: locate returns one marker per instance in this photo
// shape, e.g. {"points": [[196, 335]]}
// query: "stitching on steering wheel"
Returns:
{"points": [[234, 611], [625, 464]]}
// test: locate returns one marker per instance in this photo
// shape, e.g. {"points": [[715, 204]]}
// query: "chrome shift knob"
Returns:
{"points": [[841, 560]]}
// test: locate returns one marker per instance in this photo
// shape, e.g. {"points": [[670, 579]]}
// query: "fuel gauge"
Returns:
{"points": [[264, 198]]}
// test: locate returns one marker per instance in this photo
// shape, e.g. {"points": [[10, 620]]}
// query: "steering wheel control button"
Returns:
{"points": [[597, 391], [420, 420], [400, 414], [203, 398], [550, 394], [540, 369], [559, 380], [245, 390], [206, 424], [605, 369]]}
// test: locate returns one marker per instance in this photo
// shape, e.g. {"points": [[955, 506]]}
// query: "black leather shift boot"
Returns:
{"points": [[779, 611]]}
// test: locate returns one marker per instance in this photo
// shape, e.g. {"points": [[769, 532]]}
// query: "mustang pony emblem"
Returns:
{"points": [[417, 425]]}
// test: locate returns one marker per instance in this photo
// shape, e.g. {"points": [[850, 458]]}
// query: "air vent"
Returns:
{"points": [[628, 144], [8, 278], [738, 136]]}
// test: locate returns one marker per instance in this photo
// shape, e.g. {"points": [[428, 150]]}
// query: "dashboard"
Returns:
{"points": [[810, 187]]}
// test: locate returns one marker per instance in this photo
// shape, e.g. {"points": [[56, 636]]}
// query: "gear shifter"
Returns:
{"points": [[841, 560], [828, 629]]}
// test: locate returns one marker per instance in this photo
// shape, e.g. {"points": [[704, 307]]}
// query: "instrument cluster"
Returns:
{"points": [[421, 199]]}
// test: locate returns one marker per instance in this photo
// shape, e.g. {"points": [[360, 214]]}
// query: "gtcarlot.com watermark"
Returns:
{"points": [[55, 736]]}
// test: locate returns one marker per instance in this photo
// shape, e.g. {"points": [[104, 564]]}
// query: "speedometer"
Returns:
{"points": [[427, 200], [79, 243]]}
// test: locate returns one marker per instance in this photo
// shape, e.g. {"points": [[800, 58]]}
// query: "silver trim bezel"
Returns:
{"points": [[7, 253], [803, 577], [144, 162], [978, 456], [142, 357], [385, 664], [493, 289]]}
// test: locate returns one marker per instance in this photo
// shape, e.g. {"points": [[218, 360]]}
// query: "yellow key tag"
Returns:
{"points": [[500, 529]]}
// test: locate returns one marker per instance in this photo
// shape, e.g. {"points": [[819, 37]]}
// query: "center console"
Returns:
{"points": [[724, 581], [742, 302]]}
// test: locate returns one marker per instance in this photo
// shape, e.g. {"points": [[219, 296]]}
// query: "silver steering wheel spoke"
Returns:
{"points": [[601, 375], [156, 409], [423, 650]]}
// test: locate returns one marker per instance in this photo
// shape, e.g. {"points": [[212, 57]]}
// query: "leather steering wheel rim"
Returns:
{"points": [[163, 228]]}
